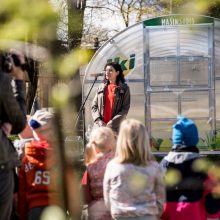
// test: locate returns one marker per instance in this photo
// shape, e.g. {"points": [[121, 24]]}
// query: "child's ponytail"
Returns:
{"points": [[89, 155]]}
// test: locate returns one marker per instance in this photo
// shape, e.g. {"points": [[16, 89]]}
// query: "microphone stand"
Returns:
{"points": [[83, 104]]}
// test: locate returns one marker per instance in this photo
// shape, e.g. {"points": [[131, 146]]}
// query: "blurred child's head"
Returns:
{"points": [[42, 125], [133, 145], [101, 140], [185, 132]]}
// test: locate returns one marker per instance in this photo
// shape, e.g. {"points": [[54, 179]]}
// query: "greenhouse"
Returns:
{"points": [[172, 66]]}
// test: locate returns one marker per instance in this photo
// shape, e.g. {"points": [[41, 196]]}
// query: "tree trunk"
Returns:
{"points": [[75, 22], [75, 29]]}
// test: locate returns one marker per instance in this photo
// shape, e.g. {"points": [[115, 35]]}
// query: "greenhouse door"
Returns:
{"points": [[179, 77]]}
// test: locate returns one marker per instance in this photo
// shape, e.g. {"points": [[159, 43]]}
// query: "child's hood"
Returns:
{"points": [[39, 153]]}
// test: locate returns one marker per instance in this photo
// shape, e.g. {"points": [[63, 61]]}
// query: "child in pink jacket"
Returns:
{"points": [[99, 151]]}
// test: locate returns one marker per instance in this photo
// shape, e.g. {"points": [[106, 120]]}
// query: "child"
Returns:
{"points": [[133, 186], [99, 151], [24, 137], [37, 188], [185, 198]]}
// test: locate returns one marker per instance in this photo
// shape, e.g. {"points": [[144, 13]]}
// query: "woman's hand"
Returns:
{"points": [[100, 123]]}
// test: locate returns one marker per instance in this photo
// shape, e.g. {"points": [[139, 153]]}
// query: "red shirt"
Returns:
{"points": [[109, 102], [37, 185]]}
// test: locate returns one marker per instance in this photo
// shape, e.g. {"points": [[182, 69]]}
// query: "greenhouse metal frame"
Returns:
{"points": [[172, 66]]}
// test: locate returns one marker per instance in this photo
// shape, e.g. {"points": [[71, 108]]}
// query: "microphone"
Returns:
{"points": [[98, 74]]}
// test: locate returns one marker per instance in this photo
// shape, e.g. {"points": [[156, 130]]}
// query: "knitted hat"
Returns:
{"points": [[40, 118], [185, 132]]}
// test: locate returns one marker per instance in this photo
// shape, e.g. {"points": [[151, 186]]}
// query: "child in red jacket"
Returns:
{"points": [[37, 186]]}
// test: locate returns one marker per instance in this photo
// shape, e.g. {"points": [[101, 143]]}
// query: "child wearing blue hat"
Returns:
{"points": [[185, 133], [185, 195]]}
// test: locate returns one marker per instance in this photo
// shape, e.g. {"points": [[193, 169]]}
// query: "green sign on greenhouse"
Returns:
{"points": [[178, 20]]}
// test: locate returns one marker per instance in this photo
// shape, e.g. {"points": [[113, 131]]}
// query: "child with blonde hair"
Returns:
{"points": [[99, 151], [133, 186]]}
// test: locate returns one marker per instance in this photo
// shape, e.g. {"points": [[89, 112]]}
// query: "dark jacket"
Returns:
{"points": [[120, 108], [12, 110], [185, 198]]}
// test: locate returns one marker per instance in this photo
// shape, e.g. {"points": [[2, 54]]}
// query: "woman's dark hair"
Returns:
{"points": [[117, 67]]}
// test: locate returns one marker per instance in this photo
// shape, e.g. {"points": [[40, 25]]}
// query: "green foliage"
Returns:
{"points": [[209, 141], [13, 137], [166, 144], [156, 143], [212, 141], [161, 144], [27, 20], [214, 9], [204, 7], [213, 158]]}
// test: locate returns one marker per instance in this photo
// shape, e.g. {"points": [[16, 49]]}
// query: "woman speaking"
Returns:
{"points": [[112, 100]]}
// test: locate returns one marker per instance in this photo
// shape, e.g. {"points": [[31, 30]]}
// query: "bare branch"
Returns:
{"points": [[101, 7]]}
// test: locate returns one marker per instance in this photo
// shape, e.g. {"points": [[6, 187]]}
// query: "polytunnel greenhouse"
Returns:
{"points": [[172, 66]]}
